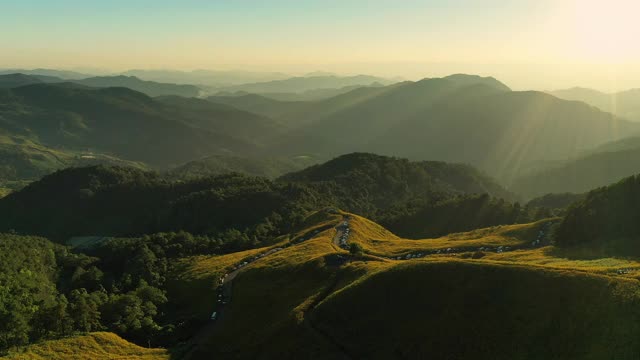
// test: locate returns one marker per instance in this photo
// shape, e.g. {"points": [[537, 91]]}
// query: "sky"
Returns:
{"points": [[528, 44]]}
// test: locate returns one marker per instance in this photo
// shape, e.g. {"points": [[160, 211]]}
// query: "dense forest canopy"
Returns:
{"points": [[607, 217]]}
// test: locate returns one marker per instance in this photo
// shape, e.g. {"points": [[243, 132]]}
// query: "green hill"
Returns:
{"points": [[309, 298], [125, 123], [607, 219], [98, 346], [303, 302], [386, 180], [415, 199], [97, 201], [601, 166], [464, 310]]}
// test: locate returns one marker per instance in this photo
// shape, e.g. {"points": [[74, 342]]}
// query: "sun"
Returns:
{"points": [[605, 31]]}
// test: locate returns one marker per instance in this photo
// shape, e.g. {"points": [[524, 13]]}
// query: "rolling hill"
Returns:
{"points": [[328, 303], [304, 296], [96, 201], [379, 174], [23, 160], [98, 346], [125, 123]]}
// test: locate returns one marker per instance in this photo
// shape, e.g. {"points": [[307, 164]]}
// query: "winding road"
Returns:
{"points": [[340, 239]]}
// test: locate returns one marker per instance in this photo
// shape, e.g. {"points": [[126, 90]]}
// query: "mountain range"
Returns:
{"points": [[459, 118]]}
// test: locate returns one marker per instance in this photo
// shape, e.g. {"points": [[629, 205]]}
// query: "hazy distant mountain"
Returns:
{"points": [[601, 166], [316, 94], [459, 118], [150, 88], [214, 78], [62, 74], [125, 123], [220, 118], [260, 104], [302, 84], [14, 80], [320, 73], [625, 103]]}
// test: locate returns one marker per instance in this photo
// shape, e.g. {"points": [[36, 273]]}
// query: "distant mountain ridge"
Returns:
{"points": [[150, 88], [302, 84], [459, 118], [213, 78], [624, 103], [601, 166], [62, 74]]}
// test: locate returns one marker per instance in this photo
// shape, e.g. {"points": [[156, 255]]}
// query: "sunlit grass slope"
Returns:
{"points": [[376, 240], [315, 300], [95, 346], [193, 282], [452, 309]]}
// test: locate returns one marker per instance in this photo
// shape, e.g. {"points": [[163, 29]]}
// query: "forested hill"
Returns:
{"points": [[127, 123], [377, 174], [116, 201], [415, 199], [606, 219]]}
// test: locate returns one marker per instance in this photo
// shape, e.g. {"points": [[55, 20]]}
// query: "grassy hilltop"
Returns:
{"points": [[390, 297], [314, 300], [97, 346]]}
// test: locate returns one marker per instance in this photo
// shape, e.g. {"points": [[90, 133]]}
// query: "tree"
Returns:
{"points": [[85, 310], [355, 249]]}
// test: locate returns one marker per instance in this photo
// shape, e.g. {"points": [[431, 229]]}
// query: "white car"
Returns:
{"points": [[214, 315]]}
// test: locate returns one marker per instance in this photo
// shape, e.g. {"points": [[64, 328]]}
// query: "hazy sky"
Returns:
{"points": [[526, 43]]}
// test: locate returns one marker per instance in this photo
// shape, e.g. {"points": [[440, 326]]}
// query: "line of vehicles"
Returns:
{"points": [[222, 297], [344, 236]]}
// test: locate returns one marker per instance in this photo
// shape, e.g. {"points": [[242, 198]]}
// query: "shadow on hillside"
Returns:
{"points": [[620, 249]]}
